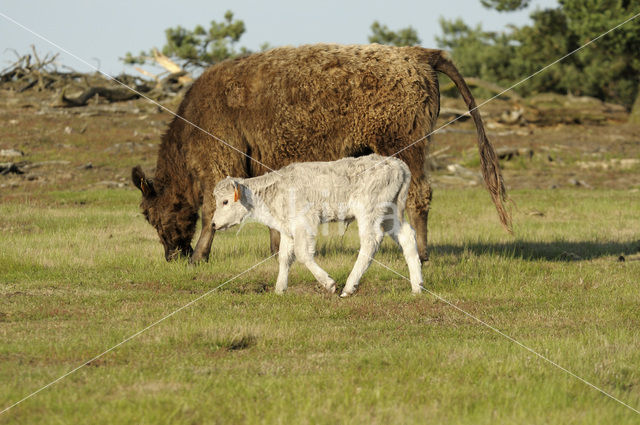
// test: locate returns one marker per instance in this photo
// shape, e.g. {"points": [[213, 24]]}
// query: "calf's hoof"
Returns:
{"points": [[331, 287], [345, 294]]}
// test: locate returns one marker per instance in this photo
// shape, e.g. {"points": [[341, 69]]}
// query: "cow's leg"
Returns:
{"points": [[286, 257], [305, 246], [275, 240], [203, 247], [370, 237], [418, 204]]}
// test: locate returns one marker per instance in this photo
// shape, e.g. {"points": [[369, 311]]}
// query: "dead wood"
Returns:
{"points": [[117, 94], [508, 153], [174, 69], [10, 167], [177, 79], [40, 73], [454, 113], [634, 116], [439, 152]]}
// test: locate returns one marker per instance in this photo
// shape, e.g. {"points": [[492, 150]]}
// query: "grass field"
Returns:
{"points": [[81, 271]]}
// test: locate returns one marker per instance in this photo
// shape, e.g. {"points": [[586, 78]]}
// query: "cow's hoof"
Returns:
{"points": [[344, 295], [194, 260]]}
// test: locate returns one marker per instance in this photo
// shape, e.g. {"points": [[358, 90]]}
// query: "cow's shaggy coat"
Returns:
{"points": [[296, 199], [311, 103]]}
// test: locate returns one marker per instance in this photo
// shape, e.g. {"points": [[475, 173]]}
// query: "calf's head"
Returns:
{"points": [[231, 204], [169, 213]]}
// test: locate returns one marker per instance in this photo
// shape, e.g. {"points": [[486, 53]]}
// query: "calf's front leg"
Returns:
{"points": [[286, 257]]}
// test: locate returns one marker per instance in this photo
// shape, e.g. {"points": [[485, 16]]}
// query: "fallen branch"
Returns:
{"points": [[508, 153], [173, 68], [117, 94], [439, 152], [458, 114], [9, 167], [146, 73]]}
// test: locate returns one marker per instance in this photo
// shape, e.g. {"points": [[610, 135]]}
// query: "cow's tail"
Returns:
{"points": [[488, 159]]}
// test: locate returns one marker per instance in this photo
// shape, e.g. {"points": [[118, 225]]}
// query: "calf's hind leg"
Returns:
{"points": [[370, 237], [405, 237]]}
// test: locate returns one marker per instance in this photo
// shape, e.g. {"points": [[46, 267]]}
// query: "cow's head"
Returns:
{"points": [[168, 211], [232, 205]]}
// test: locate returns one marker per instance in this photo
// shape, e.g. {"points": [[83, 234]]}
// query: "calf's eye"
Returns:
{"points": [[225, 202]]}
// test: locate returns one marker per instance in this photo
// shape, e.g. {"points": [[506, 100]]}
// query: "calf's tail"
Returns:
{"points": [[441, 62]]}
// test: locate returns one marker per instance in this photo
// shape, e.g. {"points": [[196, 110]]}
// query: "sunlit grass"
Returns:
{"points": [[81, 271]]}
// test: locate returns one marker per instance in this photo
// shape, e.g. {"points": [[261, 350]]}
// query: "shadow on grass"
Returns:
{"points": [[550, 251], [527, 250]]}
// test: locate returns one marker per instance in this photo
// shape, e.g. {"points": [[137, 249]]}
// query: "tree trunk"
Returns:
{"points": [[634, 118]]}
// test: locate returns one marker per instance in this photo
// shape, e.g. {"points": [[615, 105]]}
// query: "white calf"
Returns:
{"points": [[295, 199]]}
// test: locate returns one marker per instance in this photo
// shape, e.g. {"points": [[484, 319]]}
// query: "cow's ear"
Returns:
{"points": [[236, 191], [142, 182]]}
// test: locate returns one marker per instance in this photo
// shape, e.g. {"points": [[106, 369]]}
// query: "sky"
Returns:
{"points": [[101, 32]]}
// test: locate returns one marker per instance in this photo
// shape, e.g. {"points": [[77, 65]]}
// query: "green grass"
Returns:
{"points": [[81, 271]]}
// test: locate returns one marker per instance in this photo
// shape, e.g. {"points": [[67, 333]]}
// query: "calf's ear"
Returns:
{"points": [[142, 182], [236, 192]]}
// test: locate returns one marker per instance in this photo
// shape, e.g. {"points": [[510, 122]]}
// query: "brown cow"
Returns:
{"points": [[310, 103]]}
